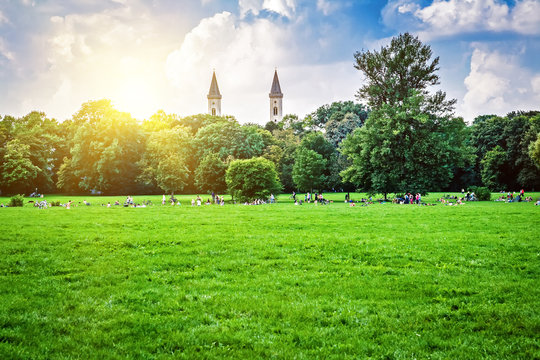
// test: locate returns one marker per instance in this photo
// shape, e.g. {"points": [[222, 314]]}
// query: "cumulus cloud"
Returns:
{"points": [[244, 55], [116, 54], [450, 17], [282, 7], [129, 54], [327, 7], [498, 84]]}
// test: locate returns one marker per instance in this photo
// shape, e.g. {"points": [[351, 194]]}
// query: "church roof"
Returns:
{"points": [[276, 89], [214, 89]]}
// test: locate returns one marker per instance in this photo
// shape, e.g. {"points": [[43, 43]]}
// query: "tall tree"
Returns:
{"points": [[16, 170], [409, 142], [308, 170], [398, 68], [164, 163], [210, 175], [106, 148], [404, 149], [42, 137]]}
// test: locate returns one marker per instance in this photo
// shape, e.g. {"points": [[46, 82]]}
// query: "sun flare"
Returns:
{"points": [[136, 97]]}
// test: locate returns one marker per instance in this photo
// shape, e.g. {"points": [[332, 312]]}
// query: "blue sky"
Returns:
{"points": [[150, 55]]}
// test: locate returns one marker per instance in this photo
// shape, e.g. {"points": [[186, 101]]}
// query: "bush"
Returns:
{"points": [[481, 193], [251, 179], [16, 201]]}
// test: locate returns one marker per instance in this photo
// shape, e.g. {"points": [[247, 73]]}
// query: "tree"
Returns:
{"points": [[172, 173], [409, 142], [337, 111], [513, 134], [317, 142], [402, 148], [106, 148], [287, 142], [492, 171], [17, 172], [251, 179], [210, 175], [308, 170], [42, 137], [395, 70], [534, 151], [337, 130], [228, 139], [164, 162]]}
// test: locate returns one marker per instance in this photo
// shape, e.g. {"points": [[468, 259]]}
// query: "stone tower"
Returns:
{"points": [[276, 100], [214, 97]]}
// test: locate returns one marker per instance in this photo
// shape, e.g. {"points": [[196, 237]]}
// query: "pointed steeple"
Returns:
{"points": [[275, 91], [276, 100], [213, 93]]}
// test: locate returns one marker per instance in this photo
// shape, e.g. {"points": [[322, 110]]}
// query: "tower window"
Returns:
{"points": [[275, 110], [213, 111]]}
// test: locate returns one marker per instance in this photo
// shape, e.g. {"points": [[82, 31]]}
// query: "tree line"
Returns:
{"points": [[405, 138]]}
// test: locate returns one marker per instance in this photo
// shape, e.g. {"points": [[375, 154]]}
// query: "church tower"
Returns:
{"points": [[276, 100], [214, 98]]}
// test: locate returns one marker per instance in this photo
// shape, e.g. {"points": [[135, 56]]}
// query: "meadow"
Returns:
{"points": [[384, 281]]}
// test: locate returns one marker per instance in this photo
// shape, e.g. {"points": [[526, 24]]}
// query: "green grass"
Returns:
{"points": [[383, 281]]}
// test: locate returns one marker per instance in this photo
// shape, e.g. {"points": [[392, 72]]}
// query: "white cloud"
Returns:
{"points": [[244, 56], [327, 7], [282, 7], [497, 84], [450, 17], [4, 51]]}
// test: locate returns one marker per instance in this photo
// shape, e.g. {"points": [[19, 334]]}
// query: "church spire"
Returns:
{"points": [[213, 93], [276, 89], [214, 97], [276, 100]]}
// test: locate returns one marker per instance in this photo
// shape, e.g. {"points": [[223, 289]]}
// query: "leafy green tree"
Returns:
{"points": [[164, 162], [409, 142], [534, 151], [42, 136], [308, 170], [228, 139], [197, 122], [251, 179], [16, 170], [287, 142], [493, 165], [336, 112], [160, 121], [337, 130], [513, 134], [402, 148], [107, 146], [399, 68], [210, 175], [172, 173], [317, 142]]}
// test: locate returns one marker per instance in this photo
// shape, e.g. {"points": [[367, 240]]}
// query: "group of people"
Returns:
{"points": [[513, 197]]}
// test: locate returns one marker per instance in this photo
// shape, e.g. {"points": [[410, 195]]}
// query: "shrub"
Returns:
{"points": [[251, 179], [481, 193], [16, 201]]}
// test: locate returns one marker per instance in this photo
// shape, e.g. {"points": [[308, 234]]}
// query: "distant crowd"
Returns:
{"points": [[308, 198]]}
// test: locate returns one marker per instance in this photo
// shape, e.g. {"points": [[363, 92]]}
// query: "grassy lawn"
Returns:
{"points": [[381, 281]]}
